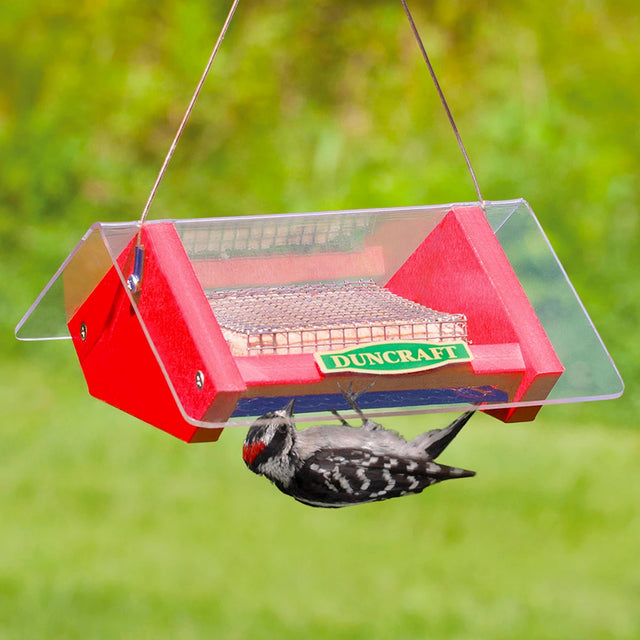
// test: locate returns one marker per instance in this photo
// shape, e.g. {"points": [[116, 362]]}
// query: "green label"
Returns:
{"points": [[393, 357]]}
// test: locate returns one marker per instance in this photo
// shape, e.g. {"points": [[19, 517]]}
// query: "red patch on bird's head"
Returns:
{"points": [[251, 451]]}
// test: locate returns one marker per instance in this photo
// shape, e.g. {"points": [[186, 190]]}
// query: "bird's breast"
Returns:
{"points": [[340, 437]]}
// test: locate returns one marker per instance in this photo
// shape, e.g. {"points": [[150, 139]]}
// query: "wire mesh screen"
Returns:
{"points": [[310, 318], [292, 236]]}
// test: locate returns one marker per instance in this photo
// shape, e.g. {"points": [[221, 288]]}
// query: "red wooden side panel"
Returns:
{"points": [[281, 270], [118, 362], [184, 329], [460, 267]]}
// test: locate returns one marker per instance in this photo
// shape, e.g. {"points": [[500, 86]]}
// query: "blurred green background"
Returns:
{"points": [[111, 529]]}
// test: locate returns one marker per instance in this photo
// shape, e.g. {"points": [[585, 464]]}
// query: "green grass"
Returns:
{"points": [[111, 529]]}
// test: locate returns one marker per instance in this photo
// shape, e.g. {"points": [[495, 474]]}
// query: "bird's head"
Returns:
{"points": [[271, 437]]}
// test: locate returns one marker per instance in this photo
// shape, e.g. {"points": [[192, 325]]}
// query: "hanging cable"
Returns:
{"points": [[444, 101], [135, 279]]}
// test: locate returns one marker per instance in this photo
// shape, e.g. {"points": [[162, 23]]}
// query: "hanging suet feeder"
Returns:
{"points": [[194, 325]]}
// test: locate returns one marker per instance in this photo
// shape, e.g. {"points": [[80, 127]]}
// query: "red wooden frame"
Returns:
{"points": [[459, 267]]}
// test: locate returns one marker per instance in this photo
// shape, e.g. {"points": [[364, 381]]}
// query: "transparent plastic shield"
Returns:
{"points": [[257, 252], [72, 283], [590, 373]]}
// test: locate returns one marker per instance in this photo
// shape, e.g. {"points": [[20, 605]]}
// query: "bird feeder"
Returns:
{"points": [[443, 307], [195, 325]]}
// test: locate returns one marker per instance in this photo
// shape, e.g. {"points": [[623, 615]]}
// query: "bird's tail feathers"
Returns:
{"points": [[444, 472], [433, 443]]}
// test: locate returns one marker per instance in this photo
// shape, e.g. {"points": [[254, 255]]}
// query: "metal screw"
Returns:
{"points": [[133, 283], [199, 379], [83, 332]]}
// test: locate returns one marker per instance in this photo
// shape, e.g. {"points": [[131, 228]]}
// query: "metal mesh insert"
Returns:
{"points": [[309, 318], [247, 238]]}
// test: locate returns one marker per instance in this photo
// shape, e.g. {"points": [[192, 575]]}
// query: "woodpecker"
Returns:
{"points": [[335, 466]]}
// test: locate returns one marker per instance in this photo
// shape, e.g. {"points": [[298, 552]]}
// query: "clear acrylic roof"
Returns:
{"points": [[590, 373]]}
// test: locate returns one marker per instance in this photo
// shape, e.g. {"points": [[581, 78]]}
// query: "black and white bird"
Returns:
{"points": [[339, 465]]}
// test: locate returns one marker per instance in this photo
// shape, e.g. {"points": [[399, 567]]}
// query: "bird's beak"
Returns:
{"points": [[288, 410]]}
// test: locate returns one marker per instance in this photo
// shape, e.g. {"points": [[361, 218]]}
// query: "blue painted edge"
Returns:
{"points": [[248, 407]]}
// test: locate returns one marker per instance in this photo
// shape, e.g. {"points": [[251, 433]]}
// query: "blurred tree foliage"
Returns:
{"points": [[323, 105]]}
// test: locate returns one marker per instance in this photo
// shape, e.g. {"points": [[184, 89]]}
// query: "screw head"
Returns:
{"points": [[83, 332], [199, 379], [133, 283]]}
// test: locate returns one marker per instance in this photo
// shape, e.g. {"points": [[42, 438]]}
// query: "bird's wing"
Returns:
{"points": [[341, 477]]}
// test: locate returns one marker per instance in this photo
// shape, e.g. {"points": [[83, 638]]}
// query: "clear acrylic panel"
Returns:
{"points": [[76, 278], [589, 370], [254, 251]]}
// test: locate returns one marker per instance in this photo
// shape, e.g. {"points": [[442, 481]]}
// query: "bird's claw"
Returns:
{"points": [[351, 397]]}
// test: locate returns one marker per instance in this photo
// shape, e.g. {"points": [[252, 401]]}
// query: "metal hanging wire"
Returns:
{"points": [[444, 101], [135, 279], [183, 124]]}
